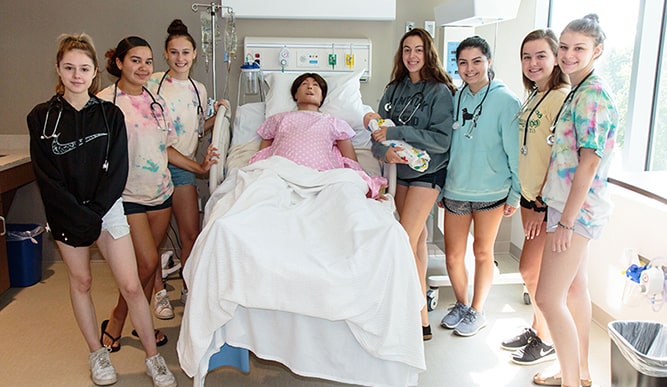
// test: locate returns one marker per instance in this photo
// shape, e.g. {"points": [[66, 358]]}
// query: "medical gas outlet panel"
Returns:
{"points": [[321, 55]]}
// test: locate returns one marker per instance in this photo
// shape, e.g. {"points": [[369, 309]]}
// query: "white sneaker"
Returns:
{"points": [[157, 369], [101, 369], [184, 295], [163, 309]]}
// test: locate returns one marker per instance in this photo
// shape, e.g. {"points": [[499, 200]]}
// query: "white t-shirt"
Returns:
{"points": [[181, 98], [150, 132]]}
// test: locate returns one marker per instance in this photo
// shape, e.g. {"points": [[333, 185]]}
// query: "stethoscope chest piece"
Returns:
{"points": [[456, 125], [524, 150]]}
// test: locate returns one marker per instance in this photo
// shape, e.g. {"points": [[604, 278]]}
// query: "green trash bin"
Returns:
{"points": [[24, 254], [638, 353]]}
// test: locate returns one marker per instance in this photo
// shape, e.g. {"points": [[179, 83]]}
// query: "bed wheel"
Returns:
{"points": [[432, 298], [526, 296]]}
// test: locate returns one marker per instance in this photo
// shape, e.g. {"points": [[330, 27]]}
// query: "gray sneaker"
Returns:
{"points": [[101, 369], [472, 322], [157, 369], [519, 341], [534, 352], [455, 315]]}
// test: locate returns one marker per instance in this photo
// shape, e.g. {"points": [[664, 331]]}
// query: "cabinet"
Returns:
{"points": [[10, 180]]}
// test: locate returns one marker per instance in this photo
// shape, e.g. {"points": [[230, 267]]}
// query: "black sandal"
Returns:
{"points": [[114, 340], [426, 332], [158, 343]]}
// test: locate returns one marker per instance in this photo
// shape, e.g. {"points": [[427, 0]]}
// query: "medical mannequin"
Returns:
{"points": [[419, 101], [579, 206], [482, 180], [311, 138], [81, 169]]}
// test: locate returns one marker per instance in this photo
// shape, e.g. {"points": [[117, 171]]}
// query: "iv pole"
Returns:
{"points": [[214, 7]]}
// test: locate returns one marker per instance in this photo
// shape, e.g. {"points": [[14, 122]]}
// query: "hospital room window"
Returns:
{"points": [[658, 143]]}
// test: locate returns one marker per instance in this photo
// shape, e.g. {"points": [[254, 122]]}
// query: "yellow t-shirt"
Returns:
{"points": [[533, 163]]}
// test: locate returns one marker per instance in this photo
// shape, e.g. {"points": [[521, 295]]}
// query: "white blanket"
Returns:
{"points": [[299, 253]]}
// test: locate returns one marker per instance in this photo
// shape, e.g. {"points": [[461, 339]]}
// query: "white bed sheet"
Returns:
{"points": [[334, 294]]}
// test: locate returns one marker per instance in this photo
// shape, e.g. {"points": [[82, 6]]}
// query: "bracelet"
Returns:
{"points": [[571, 228]]}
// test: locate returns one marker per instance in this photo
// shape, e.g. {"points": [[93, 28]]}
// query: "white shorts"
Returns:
{"points": [[589, 232], [115, 221]]}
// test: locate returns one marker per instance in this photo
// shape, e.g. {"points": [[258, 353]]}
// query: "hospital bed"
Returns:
{"points": [[350, 313]]}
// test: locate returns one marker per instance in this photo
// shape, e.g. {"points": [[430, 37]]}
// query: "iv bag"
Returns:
{"points": [[230, 37], [205, 18]]}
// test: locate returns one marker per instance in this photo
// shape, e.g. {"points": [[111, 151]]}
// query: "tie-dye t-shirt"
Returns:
{"points": [[149, 133], [588, 121], [181, 98]]}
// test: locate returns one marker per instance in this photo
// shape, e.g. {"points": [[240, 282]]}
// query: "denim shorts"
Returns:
{"points": [[180, 176], [590, 232], [458, 207], [115, 221], [136, 208], [434, 180]]}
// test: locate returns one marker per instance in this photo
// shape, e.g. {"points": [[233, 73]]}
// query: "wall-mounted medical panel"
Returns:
{"points": [[314, 9], [322, 55]]}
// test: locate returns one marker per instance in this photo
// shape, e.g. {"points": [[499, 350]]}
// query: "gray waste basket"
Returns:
{"points": [[638, 353]]}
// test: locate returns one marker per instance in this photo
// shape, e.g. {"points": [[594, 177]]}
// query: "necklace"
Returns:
{"points": [[570, 96], [524, 148]]}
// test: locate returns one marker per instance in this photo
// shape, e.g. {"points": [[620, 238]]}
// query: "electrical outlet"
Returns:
{"points": [[409, 26]]}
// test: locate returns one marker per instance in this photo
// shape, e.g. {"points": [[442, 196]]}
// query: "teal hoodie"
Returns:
{"points": [[485, 168]]}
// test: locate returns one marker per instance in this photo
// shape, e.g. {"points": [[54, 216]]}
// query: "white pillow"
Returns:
{"points": [[343, 98]]}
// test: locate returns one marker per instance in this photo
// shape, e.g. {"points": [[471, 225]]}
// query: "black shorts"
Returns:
{"points": [[135, 208], [434, 180]]}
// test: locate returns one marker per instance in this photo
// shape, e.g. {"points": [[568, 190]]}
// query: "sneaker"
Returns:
{"points": [[157, 369], [472, 322], [455, 315], [519, 341], [163, 309], [184, 295], [101, 369], [534, 352]]}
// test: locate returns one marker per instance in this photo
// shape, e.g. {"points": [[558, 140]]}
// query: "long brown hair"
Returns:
{"points": [[432, 70], [557, 78], [84, 43]]}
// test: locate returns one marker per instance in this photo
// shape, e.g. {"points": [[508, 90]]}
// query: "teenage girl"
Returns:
{"points": [[186, 99], [576, 193], [482, 180], [78, 146], [547, 87], [148, 190], [418, 100]]}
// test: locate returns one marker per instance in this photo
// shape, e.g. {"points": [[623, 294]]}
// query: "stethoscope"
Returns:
{"points": [[54, 135], [474, 116], [524, 148], [551, 139], [156, 108], [416, 99], [200, 110]]}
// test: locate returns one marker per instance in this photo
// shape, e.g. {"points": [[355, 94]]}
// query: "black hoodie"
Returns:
{"points": [[69, 165]]}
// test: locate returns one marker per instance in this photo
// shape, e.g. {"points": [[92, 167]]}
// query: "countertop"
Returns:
{"points": [[14, 150], [12, 157]]}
